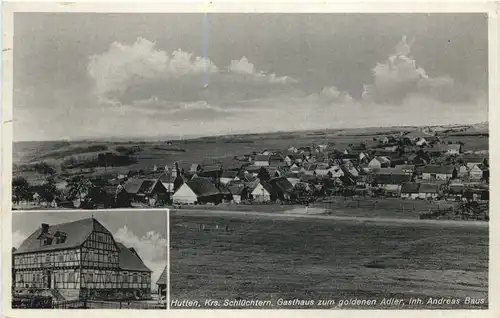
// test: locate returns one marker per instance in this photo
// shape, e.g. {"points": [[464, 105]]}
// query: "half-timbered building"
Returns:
{"points": [[79, 259]]}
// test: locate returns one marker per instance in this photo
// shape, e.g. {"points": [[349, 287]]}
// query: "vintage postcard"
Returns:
{"points": [[242, 156]]}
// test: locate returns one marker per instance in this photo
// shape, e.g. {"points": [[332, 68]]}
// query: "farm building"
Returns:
{"points": [[261, 191], [261, 160], [391, 183], [435, 172], [228, 176], [379, 162], [79, 259], [410, 190], [406, 169], [428, 191], [146, 190], [476, 172], [238, 191], [454, 149], [197, 190], [281, 188]]}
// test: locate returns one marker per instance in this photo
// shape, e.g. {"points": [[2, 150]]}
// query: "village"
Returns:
{"points": [[414, 165]]}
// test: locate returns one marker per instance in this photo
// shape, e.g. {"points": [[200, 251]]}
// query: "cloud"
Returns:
{"points": [[400, 76], [333, 95], [18, 238], [152, 248], [123, 66], [244, 67]]}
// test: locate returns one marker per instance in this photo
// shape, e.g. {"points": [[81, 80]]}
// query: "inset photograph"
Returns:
{"points": [[88, 260]]}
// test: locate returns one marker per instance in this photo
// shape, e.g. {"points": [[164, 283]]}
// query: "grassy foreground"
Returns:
{"points": [[307, 259]]}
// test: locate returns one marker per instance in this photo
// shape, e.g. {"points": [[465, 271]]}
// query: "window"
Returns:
{"points": [[71, 277], [134, 278], [90, 277], [60, 257], [47, 258], [47, 241], [108, 277]]}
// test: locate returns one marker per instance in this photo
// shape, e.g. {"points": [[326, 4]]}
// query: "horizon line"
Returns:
{"points": [[192, 137]]}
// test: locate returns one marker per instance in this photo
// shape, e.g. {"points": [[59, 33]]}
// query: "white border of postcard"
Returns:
{"points": [[215, 6]]}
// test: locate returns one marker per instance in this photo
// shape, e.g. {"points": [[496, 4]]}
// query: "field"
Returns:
{"points": [[200, 150], [273, 258]]}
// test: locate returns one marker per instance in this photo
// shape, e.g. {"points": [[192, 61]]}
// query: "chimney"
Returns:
{"points": [[45, 228]]}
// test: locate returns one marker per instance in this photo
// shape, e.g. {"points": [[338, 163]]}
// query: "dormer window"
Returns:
{"points": [[60, 237], [47, 241]]}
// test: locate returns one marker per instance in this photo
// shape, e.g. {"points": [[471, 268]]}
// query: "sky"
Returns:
{"points": [[91, 75], [147, 235]]}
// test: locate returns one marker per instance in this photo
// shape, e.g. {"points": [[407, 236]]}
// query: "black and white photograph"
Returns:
{"points": [[308, 160], [84, 260]]}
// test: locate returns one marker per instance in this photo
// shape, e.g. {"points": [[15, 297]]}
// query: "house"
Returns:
{"points": [[289, 159], [228, 176], [391, 183], [428, 191], [379, 162], [410, 190], [454, 149], [436, 172], [261, 191], [462, 171], [146, 190], [456, 191], [474, 160], [406, 169], [79, 260], [281, 187], [198, 190], [195, 167], [388, 171], [293, 177], [276, 159], [261, 160], [476, 172], [239, 192]]}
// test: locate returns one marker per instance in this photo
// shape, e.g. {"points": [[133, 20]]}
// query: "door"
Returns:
{"points": [[48, 279]]}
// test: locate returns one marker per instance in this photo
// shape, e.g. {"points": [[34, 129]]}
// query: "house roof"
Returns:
{"points": [[281, 184], [76, 234], [405, 167], [410, 187], [162, 280], [202, 187], [262, 158], [391, 179], [130, 260], [438, 169], [428, 188], [134, 186], [229, 174], [388, 171], [236, 189]]}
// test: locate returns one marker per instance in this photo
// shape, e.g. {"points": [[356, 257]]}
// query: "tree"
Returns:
{"points": [[78, 187], [20, 189], [302, 194], [44, 168]]}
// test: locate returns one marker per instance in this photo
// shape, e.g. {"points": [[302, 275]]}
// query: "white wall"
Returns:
{"points": [[185, 195]]}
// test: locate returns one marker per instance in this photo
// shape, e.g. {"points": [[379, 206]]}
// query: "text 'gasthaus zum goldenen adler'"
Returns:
{"points": [[355, 302]]}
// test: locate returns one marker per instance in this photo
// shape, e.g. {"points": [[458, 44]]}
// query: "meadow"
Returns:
{"points": [[272, 259]]}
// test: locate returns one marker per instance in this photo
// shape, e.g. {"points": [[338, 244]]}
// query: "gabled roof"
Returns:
{"points": [[202, 187], [76, 234], [236, 189], [162, 280], [130, 260], [391, 179], [438, 169], [429, 188], [229, 174], [262, 158], [281, 184], [410, 187]]}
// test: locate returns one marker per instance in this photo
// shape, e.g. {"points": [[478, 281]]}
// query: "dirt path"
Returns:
{"points": [[296, 216]]}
